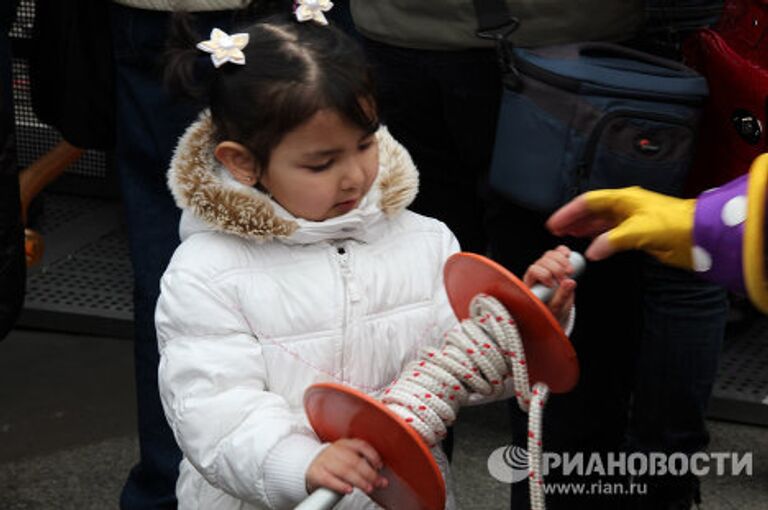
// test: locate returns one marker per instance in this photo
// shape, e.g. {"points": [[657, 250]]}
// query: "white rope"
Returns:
{"points": [[478, 357]]}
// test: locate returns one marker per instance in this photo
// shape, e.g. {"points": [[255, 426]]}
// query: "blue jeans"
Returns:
{"points": [[676, 363], [149, 122]]}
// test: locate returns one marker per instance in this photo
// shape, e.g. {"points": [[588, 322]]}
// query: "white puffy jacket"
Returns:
{"points": [[257, 305]]}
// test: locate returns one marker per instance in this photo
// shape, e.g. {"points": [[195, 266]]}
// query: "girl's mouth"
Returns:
{"points": [[347, 205]]}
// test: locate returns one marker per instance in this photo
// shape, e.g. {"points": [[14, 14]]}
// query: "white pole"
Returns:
{"points": [[320, 499]]}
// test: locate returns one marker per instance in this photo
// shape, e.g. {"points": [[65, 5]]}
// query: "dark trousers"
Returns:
{"points": [[442, 106], [149, 122], [12, 260], [647, 336]]}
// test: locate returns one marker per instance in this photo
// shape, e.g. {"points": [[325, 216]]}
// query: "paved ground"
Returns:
{"points": [[67, 440]]}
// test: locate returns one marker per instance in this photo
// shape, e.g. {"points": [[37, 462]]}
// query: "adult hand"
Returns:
{"points": [[630, 219]]}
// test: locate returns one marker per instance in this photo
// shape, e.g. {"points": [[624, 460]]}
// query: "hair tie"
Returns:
{"points": [[306, 10], [224, 47]]}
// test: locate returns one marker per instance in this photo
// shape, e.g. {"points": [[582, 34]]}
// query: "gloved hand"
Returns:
{"points": [[629, 219]]}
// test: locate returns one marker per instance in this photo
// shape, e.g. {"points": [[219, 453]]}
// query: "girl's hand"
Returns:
{"points": [[554, 268], [345, 464]]}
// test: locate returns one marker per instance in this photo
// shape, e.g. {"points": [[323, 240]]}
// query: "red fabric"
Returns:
{"points": [[733, 56], [743, 26]]}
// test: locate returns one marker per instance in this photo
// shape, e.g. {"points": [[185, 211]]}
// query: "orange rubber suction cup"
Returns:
{"points": [[415, 482], [550, 355]]}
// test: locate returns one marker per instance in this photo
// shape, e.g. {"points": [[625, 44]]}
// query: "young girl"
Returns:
{"points": [[299, 264]]}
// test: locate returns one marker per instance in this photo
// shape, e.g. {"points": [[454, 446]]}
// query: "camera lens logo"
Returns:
{"points": [[509, 464]]}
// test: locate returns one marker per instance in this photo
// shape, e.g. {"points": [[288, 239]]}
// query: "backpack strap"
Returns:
{"points": [[493, 17], [495, 22]]}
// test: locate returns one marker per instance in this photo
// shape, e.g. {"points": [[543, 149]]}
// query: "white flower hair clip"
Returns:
{"points": [[224, 47], [312, 10]]}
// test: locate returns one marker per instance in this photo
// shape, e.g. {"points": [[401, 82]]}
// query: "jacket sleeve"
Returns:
{"points": [[244, 439]]}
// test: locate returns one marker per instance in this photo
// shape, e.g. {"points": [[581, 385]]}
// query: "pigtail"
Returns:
{"points": [[187, 71]]}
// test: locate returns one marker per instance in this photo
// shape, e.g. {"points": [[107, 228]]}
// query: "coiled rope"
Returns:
{"points": [[479, 356]]}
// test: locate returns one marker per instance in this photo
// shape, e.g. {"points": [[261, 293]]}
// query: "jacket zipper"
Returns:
{"points": [[584, 168], [351, 295]]}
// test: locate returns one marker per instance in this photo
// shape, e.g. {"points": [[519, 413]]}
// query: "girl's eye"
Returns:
{"points": [[365, 145], [320, 168]]}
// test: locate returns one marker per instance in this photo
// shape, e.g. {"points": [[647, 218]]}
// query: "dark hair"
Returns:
{"points": [[292, 70]]}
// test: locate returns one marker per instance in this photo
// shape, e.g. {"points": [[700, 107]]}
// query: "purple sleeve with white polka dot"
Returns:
{"points": [[718, 234]]}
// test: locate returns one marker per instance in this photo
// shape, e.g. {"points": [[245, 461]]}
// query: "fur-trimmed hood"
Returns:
{"points": [[212, 200]]}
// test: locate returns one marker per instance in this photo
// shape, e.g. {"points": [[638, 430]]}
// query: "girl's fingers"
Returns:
{"points": [[360, 464], [562, 301], [556, 261], [345, 464], [357, 476], [550, 264], [333, 482], [559, 256], [538, 274], [366, 451], [552, 267]]}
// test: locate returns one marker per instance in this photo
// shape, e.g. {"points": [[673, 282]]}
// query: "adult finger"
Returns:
{"points": [[601, 248], [570, 216]]}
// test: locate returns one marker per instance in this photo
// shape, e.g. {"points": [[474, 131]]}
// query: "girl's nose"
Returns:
{"points": [[354, 175]]}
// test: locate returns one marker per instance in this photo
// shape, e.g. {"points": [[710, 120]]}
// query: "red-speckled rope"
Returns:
{"points": [[478, 356]]}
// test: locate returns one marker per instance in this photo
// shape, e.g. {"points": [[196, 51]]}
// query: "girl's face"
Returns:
{"points": [[323, 168]]}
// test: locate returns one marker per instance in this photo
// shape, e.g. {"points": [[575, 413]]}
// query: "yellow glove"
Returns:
{"points": [[630, 219]]}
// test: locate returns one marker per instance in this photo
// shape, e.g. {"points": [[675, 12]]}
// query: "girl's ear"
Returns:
{"points": [[239, 161]]}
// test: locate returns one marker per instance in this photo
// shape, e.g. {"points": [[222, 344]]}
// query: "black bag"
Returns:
{"points": [[594, 115], [586, 116]]}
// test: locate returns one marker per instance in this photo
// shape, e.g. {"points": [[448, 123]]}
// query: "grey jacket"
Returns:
{"points": [[451, 24], [184, 5]]}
